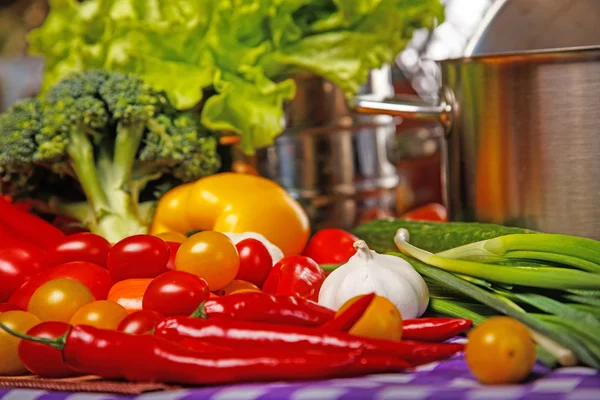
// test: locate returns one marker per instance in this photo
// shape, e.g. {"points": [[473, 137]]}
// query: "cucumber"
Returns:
{"points": [[431, 236]]}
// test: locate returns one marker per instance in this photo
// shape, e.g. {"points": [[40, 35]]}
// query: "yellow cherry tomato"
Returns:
{"points": [[59, 299], [102, 314], [19, 321], [210, 255], [172, 237], [381, 320], [500, 351], [236, 286]]}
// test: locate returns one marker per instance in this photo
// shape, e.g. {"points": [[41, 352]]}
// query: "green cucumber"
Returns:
{"points": [[431, 236]]}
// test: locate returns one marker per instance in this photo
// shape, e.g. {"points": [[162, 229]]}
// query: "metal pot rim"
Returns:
{"points": [[568, 53]]}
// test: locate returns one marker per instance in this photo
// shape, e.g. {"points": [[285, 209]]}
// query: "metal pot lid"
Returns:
{"points": [[526, 25]]}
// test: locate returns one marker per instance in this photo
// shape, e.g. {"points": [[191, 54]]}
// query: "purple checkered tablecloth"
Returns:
{"points": [[449, 379]]}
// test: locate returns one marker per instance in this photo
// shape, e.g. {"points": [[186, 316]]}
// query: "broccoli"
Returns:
{"points": [[96, 146]]}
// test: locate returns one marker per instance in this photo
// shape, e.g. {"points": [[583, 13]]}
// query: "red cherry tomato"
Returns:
{"points": [[295, 276], [255, 261], [8, 307], [174, 246], [79, 247], [331, 246], [91, 275], [175, 293], [139, 322], [432, 212], [138, 256], [42, 360], [17, 265]]}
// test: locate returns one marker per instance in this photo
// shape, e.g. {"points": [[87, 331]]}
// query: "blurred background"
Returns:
{"points": [[375, 168]]}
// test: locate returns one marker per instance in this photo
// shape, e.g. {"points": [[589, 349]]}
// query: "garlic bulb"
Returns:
{"points": [[386, 275], [274, 251]]}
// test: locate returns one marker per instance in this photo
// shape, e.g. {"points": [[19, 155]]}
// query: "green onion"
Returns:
{"points": [[571, 251], [541, 277], [454, 310], [552, 306], [590, 301], [506, 307]]}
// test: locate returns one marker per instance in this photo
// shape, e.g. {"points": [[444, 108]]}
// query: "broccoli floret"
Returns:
{"points": [[114, 135]]}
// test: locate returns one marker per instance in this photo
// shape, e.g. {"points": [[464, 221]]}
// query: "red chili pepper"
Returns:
{"points": [[247, 335], [28, 226], [147, 358], [434, 329], [350, 316], [261, 307], [295, 276]]}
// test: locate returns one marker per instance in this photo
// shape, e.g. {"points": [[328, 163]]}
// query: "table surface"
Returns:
{"points": [[449, 379]]}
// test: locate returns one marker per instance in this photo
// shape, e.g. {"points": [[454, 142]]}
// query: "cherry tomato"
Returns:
{"points": [[17, 265], [101, 314], [140, 322], [41, 360], [8, 307], [500, 351], [381, 320], [19, 321], [91, 275], [175, 237], [255, 261], [59, 299], [237, 285], [295, 276], [138, 256], [331, 246], [174, 248], [175, 293], [429, 212], [210, 255], [129, 293], [79, 247]]}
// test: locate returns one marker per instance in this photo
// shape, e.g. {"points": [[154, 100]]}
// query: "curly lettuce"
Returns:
{"points": [[234, 58]]}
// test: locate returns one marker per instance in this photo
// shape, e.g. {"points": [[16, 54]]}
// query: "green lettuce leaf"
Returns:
{"points": [[233, 58]]}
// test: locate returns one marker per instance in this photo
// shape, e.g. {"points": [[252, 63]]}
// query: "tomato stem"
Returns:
{"points": [[57, 343], [200, 312]]}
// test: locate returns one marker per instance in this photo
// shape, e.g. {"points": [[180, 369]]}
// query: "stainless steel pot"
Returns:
{"points": [[522, 144]]}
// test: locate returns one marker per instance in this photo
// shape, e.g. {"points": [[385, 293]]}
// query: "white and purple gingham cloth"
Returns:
{"points": [[449, 379]]}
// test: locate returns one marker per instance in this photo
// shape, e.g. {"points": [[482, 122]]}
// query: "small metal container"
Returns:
{"points": [[334, 161]]}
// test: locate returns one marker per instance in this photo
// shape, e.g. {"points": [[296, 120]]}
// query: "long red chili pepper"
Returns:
{"points": [[147, 358], [247, 335], [262, 307], [28, 226], [434, 329], [351, 315]]}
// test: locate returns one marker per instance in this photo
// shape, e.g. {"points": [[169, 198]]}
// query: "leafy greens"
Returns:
{"points": [[236, 58]]}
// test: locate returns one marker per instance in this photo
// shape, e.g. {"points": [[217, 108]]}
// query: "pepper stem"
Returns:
{"points": [[200, 312], [58, 343], [362, 249]]}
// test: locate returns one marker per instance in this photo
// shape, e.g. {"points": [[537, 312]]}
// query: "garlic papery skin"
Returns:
{"points": [[386, 275], [274, 251]]}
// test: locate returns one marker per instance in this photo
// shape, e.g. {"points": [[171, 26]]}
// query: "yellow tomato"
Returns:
{"points": [[59, 299], [172, 237], [236, 286], [381, 320], [102, 314], [500, 351], [19, 321], [210, 255]]}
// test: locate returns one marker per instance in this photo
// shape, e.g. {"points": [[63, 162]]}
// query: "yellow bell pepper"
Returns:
{"points": [[236, 203]]}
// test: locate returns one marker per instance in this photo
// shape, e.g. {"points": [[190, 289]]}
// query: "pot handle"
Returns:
{"points": [[407, 108]]}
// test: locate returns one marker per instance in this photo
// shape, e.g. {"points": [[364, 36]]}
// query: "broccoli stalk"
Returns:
{"points": [[114, 136]]}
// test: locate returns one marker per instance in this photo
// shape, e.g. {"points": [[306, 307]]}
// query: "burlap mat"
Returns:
{"points": [[82, 384]]}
